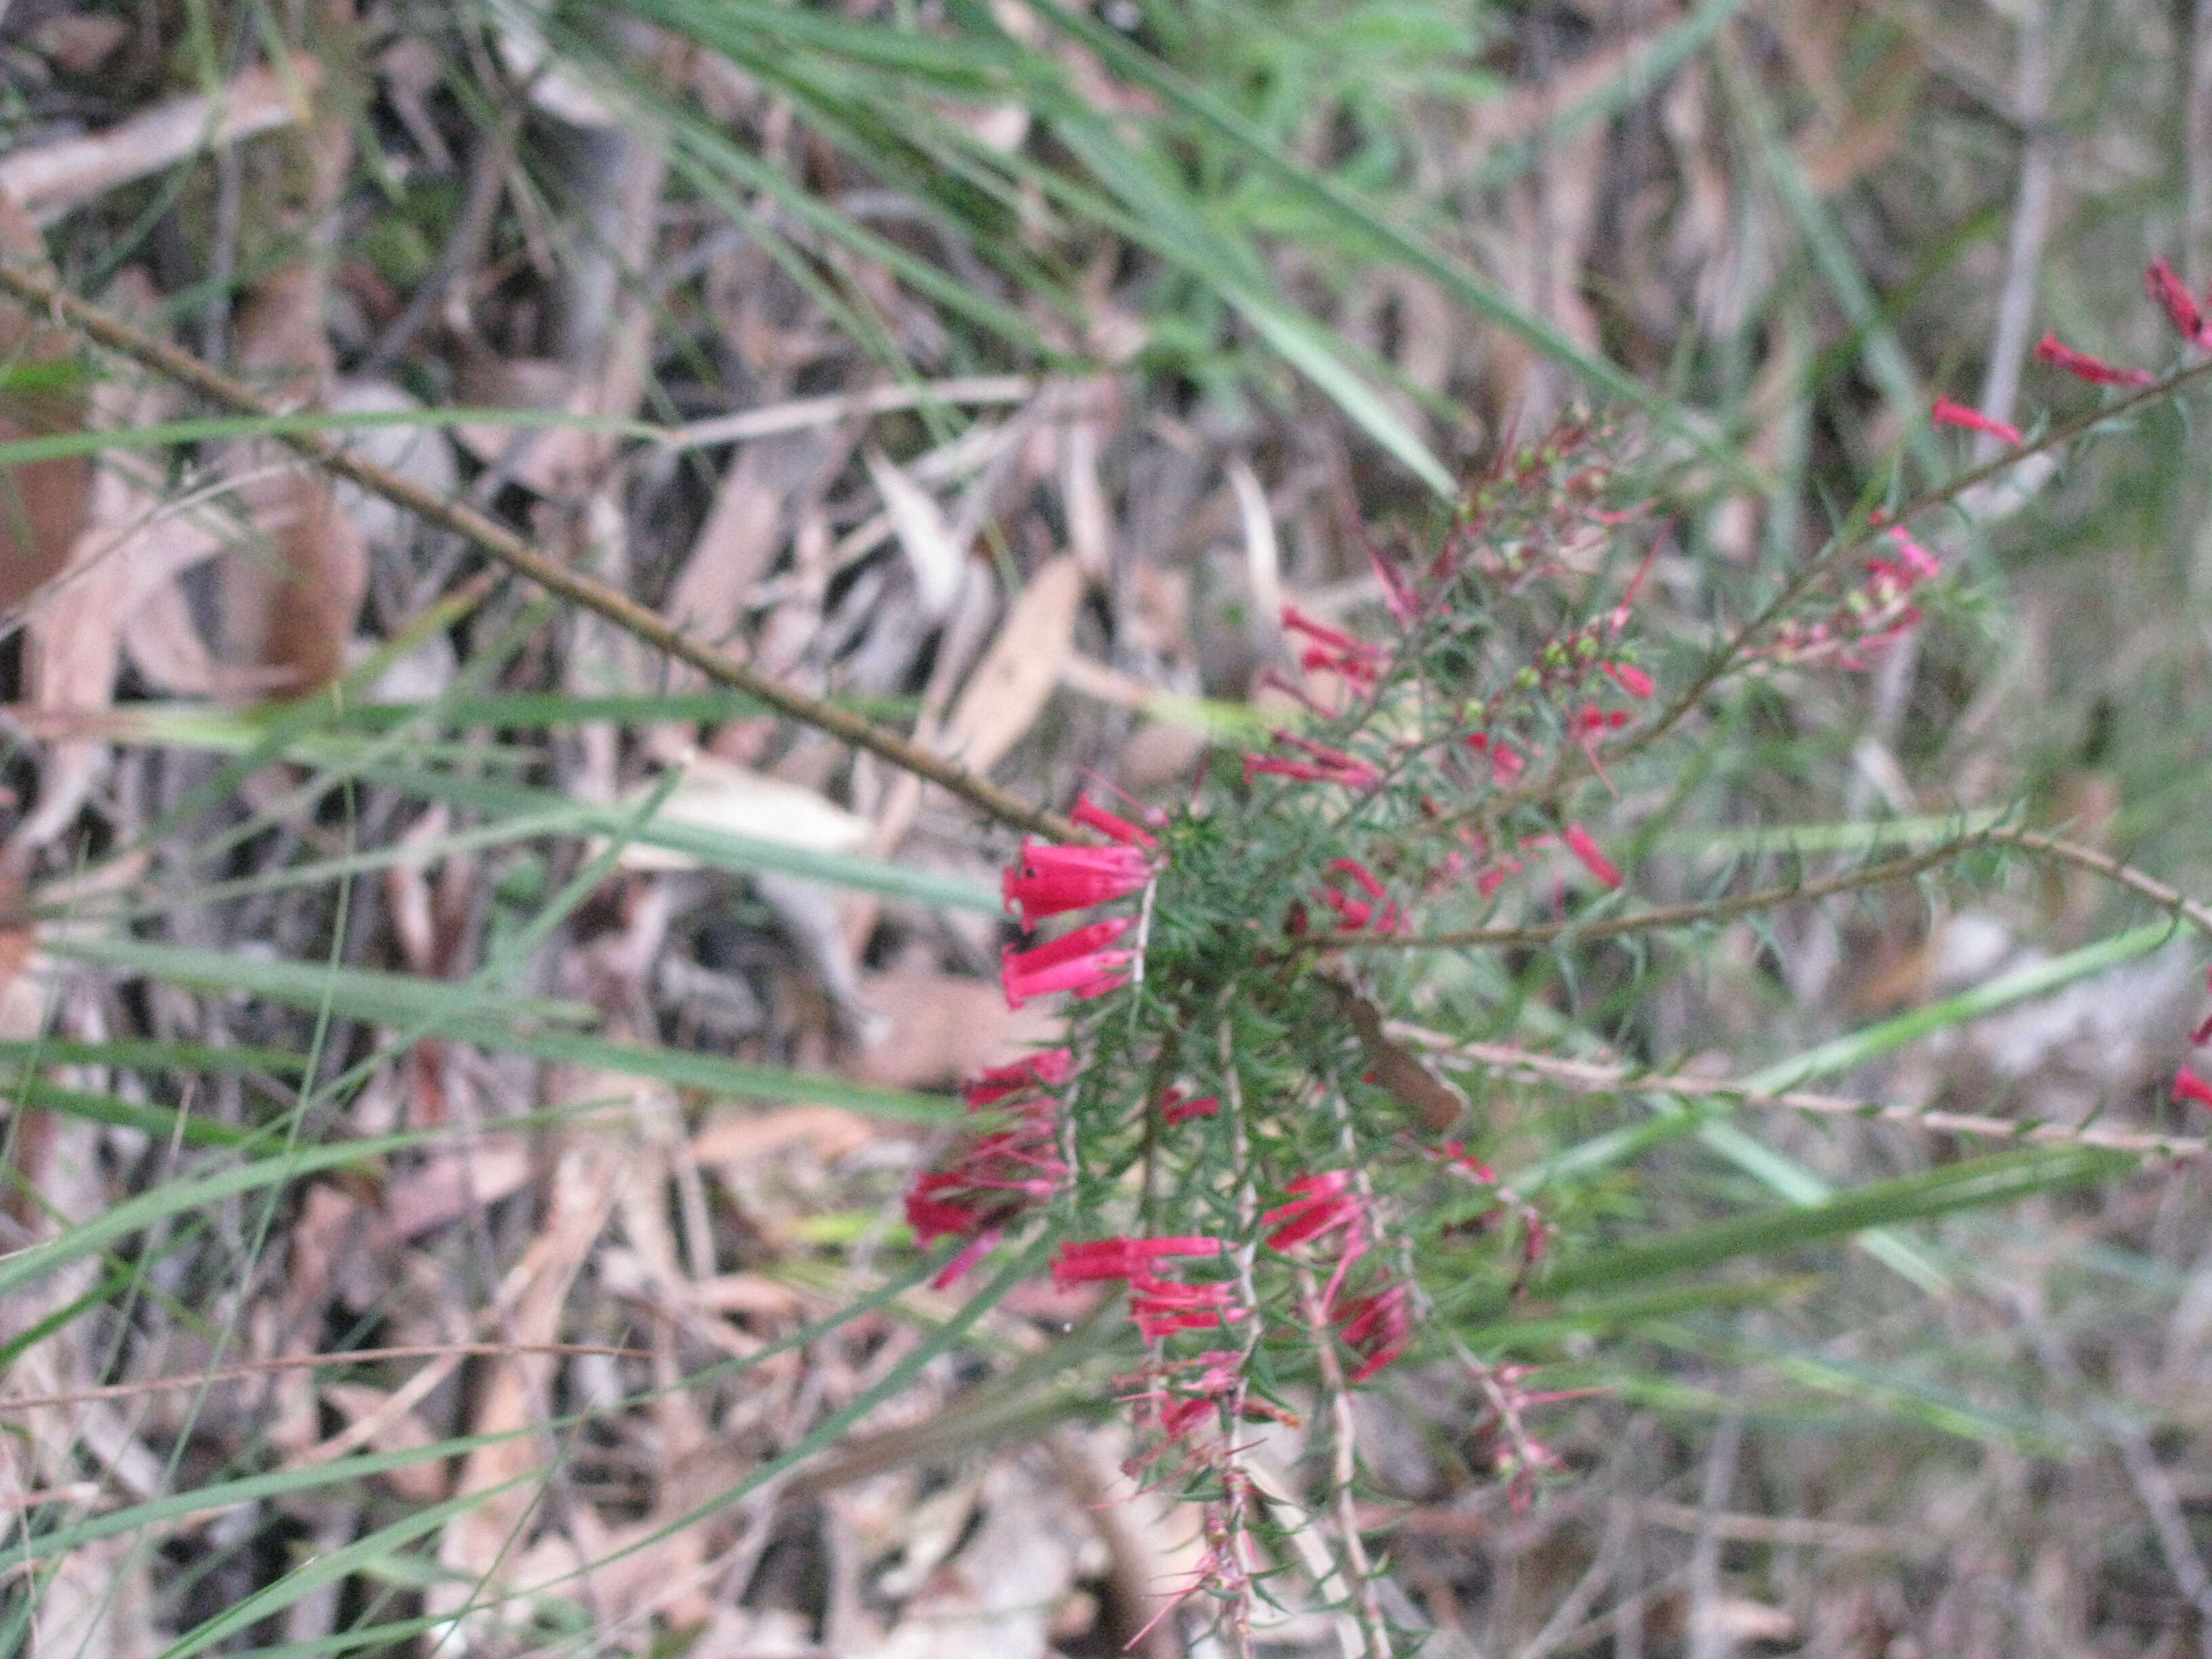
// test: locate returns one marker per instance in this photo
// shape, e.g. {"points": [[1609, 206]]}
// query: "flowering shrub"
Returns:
{"points": [[1234, 1135]]}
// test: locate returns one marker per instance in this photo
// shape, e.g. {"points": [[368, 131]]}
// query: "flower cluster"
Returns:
{"points": [[1874, 614], [1158, 1305], [1001, 1174], [1239, 1139]]}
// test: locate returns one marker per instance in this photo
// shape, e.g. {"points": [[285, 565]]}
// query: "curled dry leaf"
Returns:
{"points": [[127, 553], [42, 503], [290, 593]]}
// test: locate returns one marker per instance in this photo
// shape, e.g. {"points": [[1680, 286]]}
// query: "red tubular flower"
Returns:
{"points": [[1947, 413], [1080, 962], [933, 1218], [1176, 1107], [2082, 367], [1324, 1203], [1455, 1152], [1048, 1070], [1379, 1328], [2187, 1085], [1583, 848], [1593, 721], [1047, 880], [2179, 304], [1118, 828], [1353, 913]]}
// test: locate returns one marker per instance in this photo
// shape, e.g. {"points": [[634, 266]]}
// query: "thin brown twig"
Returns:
{"points": [[1590, 1076], [249, 1367], [501, 545], [1375, 1633], [2172, 900]]}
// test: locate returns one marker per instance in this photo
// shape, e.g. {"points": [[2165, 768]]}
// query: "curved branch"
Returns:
{"points": [[2173, 901], [1857, 531], [502, 545], [1586, 1077]]}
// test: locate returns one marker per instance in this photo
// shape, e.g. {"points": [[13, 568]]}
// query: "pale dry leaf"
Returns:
{"points": [[421, 454], [732, 1136], [163, 643], [1263, 556], [1015, 680], [938, 1028], [50, 179], [1090, 519], [924, 534], [549, 461], [453, 1183], [79, 41], [391, 1429], [715, 794], [478, 1545], [742, 530]]}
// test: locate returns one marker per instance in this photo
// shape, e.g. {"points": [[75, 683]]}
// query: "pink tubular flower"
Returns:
{"points": [[1324, 765], [1332, 650], [1397, 593], [1080, 961], [1631, 679], [1048, 1070], [1379, 1328], [1160, 1306], [1176, 1107], [994, 1179], [1116, 829], [1455, 1154], [1047, 880], [1496, 877], [1506, 763], [1919, 564], [2082, 367], [2187, 1085], [1947, 413], [1583, 848], [2179, 304], [1123, 1258]]}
